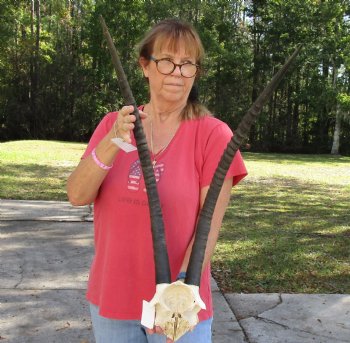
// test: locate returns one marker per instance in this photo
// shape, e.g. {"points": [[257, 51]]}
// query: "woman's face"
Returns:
{"points": [[173, 88]]}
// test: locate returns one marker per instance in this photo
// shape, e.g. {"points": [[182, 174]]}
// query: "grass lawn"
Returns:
{"points": [[37, 170], [287, 228]]}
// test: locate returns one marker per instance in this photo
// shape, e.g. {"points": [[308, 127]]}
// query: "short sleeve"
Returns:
{"points": [[100, 132], [216, 142]]}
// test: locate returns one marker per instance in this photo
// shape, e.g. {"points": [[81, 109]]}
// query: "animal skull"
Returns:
{"points": [[176, 306]]}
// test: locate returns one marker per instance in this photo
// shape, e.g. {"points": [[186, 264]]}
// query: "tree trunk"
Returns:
{"points": [[253, 136], [37, 68], [34, 67], [289, 117], [31, 90], [296, 115], [336, 136]]}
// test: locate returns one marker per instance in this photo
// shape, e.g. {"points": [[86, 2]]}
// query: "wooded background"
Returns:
{"points": [[57, 80]]}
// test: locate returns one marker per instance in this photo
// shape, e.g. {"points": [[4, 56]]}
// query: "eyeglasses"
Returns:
{"points": [[166, 66]]}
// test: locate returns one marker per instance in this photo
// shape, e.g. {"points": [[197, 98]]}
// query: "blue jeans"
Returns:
{"points": [[131, 331]]}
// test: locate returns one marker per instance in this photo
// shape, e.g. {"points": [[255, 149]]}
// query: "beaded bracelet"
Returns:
{"points": [[98, 162]]}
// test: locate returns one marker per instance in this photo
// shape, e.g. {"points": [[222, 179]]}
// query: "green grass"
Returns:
{"points": [[287, 228], [37, 170]]}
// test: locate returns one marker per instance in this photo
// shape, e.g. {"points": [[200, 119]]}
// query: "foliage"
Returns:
{"points": [[56, 78], [344, 101]]}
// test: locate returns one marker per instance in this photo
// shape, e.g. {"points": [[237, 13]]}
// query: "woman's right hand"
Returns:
{"points": [[124, 123], [84, 183]]}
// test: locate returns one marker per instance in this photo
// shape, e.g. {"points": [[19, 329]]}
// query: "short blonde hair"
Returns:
{"points": [[171, 33]]}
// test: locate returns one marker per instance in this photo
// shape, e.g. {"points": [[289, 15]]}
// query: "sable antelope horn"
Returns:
{"points": [[161, 258], [194, 268]]}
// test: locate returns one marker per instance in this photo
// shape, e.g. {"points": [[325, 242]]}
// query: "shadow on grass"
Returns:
{"points": [[285, 236], [34, 181]]}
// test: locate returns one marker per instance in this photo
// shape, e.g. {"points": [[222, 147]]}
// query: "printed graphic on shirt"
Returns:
{"points": [[158, 171], [135, 175]]}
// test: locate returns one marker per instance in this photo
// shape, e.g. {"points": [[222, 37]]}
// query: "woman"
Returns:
{"points": [[185, 144]]}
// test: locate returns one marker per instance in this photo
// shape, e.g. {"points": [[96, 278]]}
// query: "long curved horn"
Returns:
{"points": [[161, 258], [194, 268]]}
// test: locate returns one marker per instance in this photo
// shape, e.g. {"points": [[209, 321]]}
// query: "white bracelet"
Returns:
{"points": [[98, 162]]}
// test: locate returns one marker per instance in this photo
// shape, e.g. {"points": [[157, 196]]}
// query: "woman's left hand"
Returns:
{"points": [[158, 330]]}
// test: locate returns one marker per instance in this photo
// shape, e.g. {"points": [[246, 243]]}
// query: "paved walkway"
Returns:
{"points": [[45, 253]]}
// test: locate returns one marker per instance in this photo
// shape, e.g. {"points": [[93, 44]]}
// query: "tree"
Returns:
{"points": [[56, 80], [342, 113]]}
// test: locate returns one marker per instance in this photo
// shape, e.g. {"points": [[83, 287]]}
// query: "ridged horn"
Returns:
{"points": [[194, 268], [161, 258]]}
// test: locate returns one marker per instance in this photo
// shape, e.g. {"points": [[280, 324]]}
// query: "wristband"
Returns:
{"points": [[98, 162], [181, 276]]}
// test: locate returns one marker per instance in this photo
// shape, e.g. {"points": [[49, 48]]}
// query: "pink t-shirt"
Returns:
{"points": [[122, 272]]}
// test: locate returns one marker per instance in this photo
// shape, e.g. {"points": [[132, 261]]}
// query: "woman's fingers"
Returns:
{"points": [[126, 110], [127, 127], [125, 123], [143, 115], [158, 330], [126, 113]]}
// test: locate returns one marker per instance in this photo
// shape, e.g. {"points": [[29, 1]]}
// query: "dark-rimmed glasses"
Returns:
{"points": [[166, 66]]}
